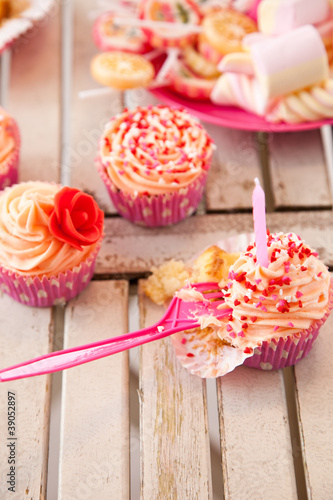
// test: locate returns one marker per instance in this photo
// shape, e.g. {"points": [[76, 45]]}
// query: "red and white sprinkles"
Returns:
{"points": [[155, 150], [286, 297]]}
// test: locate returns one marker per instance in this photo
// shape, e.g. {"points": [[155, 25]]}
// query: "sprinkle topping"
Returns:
{"points": [[289, 296], [143, 146]]}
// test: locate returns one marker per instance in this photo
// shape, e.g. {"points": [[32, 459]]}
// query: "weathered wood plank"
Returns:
{"points": [[132, 249], [175, 456], [255, 440], [327, 140], [34, 99], [94, 452], [235, 165], [298, 170], [88, 116], [25, 333], [315, 405]]}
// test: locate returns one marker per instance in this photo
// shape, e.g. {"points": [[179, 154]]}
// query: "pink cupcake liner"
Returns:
{"points": [[45, 292], [155, 210], [282, 352], [9, 172]]}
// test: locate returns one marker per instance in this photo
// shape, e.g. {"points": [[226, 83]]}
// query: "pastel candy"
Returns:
{"points": [[279, 16], [314, 103], [237, 62], [289, 62], [243, 91]]}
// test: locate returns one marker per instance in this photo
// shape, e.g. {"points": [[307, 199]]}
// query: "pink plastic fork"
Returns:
{"points": [[181, 315]]}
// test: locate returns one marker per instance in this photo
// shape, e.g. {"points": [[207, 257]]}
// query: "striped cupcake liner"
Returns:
{"points": [[9, 172], [155, 210], [45, 292]]}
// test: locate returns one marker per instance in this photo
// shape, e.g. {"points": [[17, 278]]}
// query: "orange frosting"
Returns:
{"points": [[154, 150], [27, 246]]}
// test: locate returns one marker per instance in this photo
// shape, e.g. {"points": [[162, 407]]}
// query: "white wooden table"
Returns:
{"points": [[146, 428]]}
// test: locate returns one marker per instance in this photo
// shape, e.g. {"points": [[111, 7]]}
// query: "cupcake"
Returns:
{"points": [[272, 314], [9, 150], [154, 162], [49, 239]]}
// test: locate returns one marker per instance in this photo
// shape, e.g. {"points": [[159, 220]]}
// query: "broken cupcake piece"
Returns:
{"points": [[211, 265]]}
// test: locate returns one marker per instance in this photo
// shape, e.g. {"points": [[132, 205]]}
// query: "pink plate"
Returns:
{"points": [[231, 117], [227, 116]]}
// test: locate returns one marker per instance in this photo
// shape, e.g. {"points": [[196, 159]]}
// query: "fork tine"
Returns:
{"points": [[214, 295], [209, 285], [210, 290]]}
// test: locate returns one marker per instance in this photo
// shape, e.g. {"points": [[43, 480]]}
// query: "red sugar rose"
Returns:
{"points": [[76, 218]]}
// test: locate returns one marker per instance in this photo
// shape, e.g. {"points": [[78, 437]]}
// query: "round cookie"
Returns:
{"points": [[225, 29], [121, 70]]}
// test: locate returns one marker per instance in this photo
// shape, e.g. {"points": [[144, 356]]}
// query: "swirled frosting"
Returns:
{"points": [[26, 245], [154, 150], [7, 141], [288, 296], [314, 103]]}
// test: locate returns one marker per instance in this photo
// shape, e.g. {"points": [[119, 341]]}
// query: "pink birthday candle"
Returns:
{"points": [[259, 219]]}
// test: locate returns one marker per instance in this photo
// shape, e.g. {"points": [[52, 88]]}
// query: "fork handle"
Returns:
{"points": [[60, 360]]}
